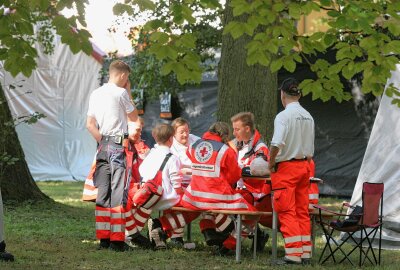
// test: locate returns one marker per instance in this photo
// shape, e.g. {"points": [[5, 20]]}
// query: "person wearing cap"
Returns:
{"points": [[292, 147], [109, 115]]}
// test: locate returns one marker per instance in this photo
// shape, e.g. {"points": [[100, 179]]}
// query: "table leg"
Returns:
{"points": [[238, 237], [274, 230], [255, 242]]}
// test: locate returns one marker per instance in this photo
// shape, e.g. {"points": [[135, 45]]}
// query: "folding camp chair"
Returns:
{"points": [[366, 221]]}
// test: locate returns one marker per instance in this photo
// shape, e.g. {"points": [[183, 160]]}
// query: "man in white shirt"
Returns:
{"points": [[292, 148], [110, 109]]}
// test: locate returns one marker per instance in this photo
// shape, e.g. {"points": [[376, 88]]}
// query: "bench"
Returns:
{"points": [[240, 216]]}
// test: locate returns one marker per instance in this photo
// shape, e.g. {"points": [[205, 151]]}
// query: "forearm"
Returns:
{"points": [[272, 162], [95, 133], [91, 125]]}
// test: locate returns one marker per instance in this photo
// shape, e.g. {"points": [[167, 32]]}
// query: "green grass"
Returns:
{"points": [[61, 235]]}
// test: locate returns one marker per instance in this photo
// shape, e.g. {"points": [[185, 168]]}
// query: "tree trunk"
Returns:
{"points": [[242, 87], [16, 181]]}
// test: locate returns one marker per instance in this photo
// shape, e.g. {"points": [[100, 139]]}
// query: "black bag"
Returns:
{"points": [[352, 219]]}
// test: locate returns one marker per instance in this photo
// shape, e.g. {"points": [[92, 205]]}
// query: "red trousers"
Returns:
{"points": [[290, 185]]}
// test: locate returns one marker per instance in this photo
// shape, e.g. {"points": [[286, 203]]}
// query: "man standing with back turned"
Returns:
{"points": [[292, 148], [110, 111]]}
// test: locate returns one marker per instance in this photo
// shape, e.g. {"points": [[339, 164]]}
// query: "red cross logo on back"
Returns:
{"points": [[203, 152]]}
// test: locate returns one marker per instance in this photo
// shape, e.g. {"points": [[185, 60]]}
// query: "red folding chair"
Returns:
{"points": [[365, 220]]}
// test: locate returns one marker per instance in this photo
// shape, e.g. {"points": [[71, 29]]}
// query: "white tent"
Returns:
{"points": [[381, 163], [56, 147]]}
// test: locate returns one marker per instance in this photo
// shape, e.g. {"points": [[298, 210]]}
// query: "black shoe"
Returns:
{"points": [[214, 238], [104, 244], [285, 261], [306, 261], [6, 257], [119, 246], [140, 241], [223, 251], [177, 242], [156, 234], [262, 239]]}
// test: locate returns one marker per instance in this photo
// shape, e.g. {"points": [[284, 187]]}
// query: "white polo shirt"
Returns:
{"points": [[171, 177], [293, 133], [109, 105], [179, 150]]}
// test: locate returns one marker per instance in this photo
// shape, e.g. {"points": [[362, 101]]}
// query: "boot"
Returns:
{"points": [[262, 239], [156, 234], [213, 238], [4, 255], [119, 246], [139, 240], [177, 242], [104, 244]]}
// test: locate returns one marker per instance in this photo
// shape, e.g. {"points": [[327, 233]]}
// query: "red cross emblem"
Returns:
{"points": [[203, 152]]}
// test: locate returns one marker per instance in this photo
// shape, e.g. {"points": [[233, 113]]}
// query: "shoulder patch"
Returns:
{"points": [[203, 151]]}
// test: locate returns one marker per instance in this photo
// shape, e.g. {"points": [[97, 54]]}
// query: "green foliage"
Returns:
{"points": [[180, 35], [17, 34], [363, 34]]}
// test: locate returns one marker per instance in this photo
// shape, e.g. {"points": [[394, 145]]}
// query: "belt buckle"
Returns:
{"points": [[118, 139]]}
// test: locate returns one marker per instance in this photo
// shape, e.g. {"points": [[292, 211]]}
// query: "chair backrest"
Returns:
{"points": [[372, 203]]}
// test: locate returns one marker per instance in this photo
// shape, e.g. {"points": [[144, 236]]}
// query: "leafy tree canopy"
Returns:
{"points": [[19, 21], [362, 33]]}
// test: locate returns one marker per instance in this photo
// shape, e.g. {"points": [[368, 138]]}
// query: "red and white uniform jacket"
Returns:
{"points": [[214, 173], [245, 156]]}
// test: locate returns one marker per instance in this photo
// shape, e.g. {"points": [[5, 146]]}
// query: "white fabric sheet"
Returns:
{"points": [[381, 163], [57, 147]]}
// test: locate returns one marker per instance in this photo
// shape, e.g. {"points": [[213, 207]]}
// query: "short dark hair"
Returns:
{"points": [[291, 87], [162, 132], [220, 129]]}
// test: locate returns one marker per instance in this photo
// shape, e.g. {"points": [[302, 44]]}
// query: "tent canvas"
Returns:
{"points": [[57, 147], [381, 164]]}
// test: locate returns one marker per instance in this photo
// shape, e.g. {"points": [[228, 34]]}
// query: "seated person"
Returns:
{"points": [[182, 140], [215, 172], [171, 177], [248, 143]]}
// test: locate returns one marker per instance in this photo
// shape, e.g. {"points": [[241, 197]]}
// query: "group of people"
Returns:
{"points": [[198, 173]]}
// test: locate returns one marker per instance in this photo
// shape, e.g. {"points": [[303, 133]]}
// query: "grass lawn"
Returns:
{"points": [[61, 235]]}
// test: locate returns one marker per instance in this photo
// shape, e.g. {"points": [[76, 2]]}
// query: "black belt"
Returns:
{"points": [[293, 159], [114, 138]]}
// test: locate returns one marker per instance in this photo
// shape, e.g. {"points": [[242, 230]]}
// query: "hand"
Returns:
{"points": [[128, 86], [180, 191], [271, 166]]}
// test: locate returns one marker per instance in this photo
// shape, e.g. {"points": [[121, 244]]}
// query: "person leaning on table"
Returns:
{"points": [[292, 147]]}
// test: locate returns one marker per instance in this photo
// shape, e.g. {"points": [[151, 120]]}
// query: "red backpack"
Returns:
{"points": [[151, 191]]}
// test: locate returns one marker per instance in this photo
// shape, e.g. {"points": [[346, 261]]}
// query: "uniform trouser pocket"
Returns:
{"points": [[283, 200]]}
